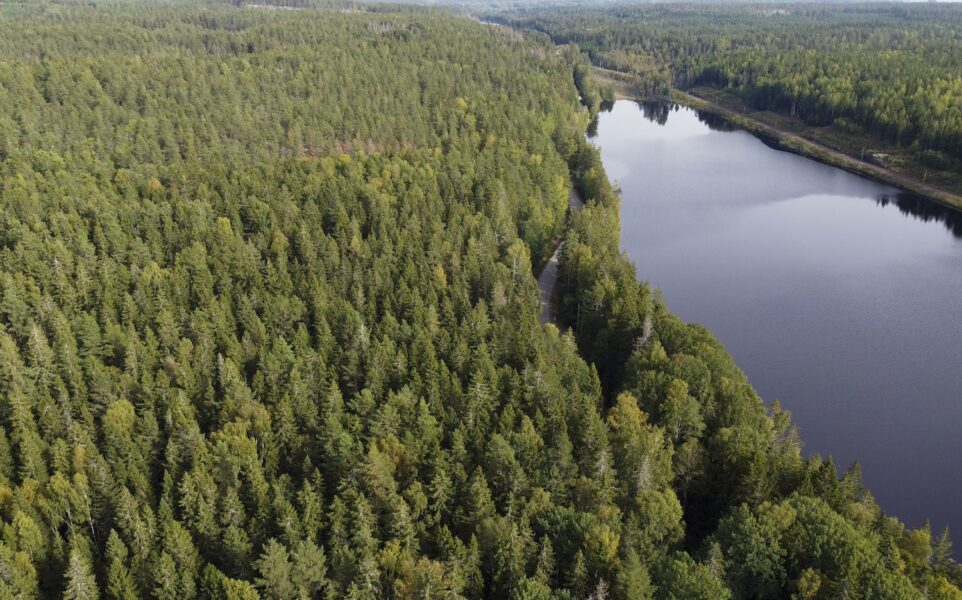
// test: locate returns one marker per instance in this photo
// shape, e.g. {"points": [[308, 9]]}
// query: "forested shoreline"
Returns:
{"points": [[269, 328]]}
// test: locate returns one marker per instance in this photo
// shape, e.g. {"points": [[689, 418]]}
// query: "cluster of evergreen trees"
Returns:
{"points": [[268, 328], [894, 71]]}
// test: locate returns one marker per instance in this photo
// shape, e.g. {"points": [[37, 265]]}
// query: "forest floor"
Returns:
{"points": [[823, 144], [548, 277]]}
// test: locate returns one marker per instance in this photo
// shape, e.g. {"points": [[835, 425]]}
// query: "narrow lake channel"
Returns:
{"points": [[838, 296]]}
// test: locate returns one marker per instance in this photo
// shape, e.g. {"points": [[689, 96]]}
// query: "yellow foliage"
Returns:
{"points": [[154, 186]]}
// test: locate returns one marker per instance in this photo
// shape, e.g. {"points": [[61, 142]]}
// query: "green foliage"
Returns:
{"points": [[268, 328], [892, 71], [268, 322], [682, 578]]}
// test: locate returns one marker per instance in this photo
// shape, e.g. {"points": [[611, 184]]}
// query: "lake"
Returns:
{"points": [[838, 296]]}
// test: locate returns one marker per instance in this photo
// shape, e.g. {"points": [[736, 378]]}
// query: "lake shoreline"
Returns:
{"points": [[790, 142], [809, 277]]}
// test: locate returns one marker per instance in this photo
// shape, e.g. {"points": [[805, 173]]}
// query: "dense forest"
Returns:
{"points": [[269, 329], [893, 71]]}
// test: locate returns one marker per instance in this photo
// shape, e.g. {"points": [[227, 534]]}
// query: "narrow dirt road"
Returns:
{"points": [[548, 277]]}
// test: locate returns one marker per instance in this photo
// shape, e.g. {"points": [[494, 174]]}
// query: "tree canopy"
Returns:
{"points": [[269, 329]]}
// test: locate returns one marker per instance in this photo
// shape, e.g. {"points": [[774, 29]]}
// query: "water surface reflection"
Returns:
{"points": [[836, 294]]}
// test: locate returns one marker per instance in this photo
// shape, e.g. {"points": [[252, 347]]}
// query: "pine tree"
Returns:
{"points": [[309, 571], [633, 581], [942, 558], [165, 578], [120, 582], [577, 580], [275, 570], [81, 584]]}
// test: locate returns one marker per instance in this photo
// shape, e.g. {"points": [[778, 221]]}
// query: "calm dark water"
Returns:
{"points": [[838, 296]]}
